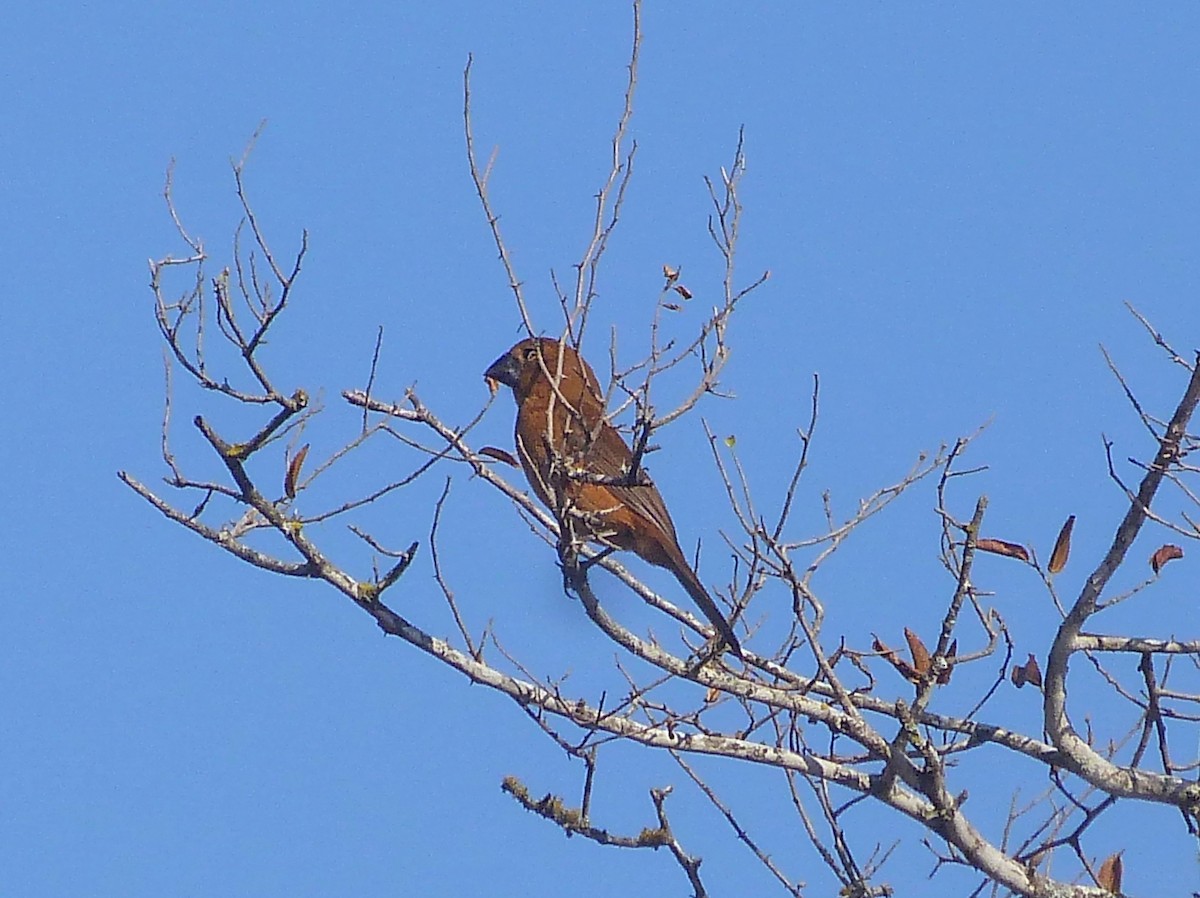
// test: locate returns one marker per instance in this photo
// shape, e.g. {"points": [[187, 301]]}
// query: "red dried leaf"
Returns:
{"points": [[1029, 672], [1003, 547], [500, 455], [1062, 546], [889, 655], [670, 273], [293, 471], [1033, 673], [920, 654], [1163, 554], [878, 645], [683, 291], [1109, 877]]}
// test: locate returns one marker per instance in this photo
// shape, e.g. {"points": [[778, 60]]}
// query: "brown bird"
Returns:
{"points": [[564, 440]]}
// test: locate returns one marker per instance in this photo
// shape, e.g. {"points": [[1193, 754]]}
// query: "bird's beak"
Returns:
{"points": [[504, 370]]}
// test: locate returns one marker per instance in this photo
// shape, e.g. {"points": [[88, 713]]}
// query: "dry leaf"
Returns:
{"points": [[1164, 554], [1033, 673], [877, 645], [683, 291], [500, 455], [672, 306], [920, 654], [1029, 672], [1062, 547], [889, 655], [712, 695], [670, 273], [293, 471], [731, 441], [1002, 547], [1110, 873]]}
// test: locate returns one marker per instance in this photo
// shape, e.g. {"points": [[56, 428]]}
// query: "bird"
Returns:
{"points": [[566, 443]]}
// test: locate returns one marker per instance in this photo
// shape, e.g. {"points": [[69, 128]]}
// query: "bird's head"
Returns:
{"points": [[537, 359]]}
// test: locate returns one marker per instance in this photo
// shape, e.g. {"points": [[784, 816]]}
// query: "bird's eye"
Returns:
{"points": [[529, 353]]}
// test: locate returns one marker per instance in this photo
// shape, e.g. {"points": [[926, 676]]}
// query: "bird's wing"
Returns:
{"points": [[609, 456]]}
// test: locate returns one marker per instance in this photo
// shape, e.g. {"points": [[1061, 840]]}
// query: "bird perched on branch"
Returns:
{"points": [[581, 468]]}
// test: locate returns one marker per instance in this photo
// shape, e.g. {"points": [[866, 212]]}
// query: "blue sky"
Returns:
{"points": [[954, 203]]}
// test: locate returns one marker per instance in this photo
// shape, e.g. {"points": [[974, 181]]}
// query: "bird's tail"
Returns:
{"points": [[688, 579]]}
